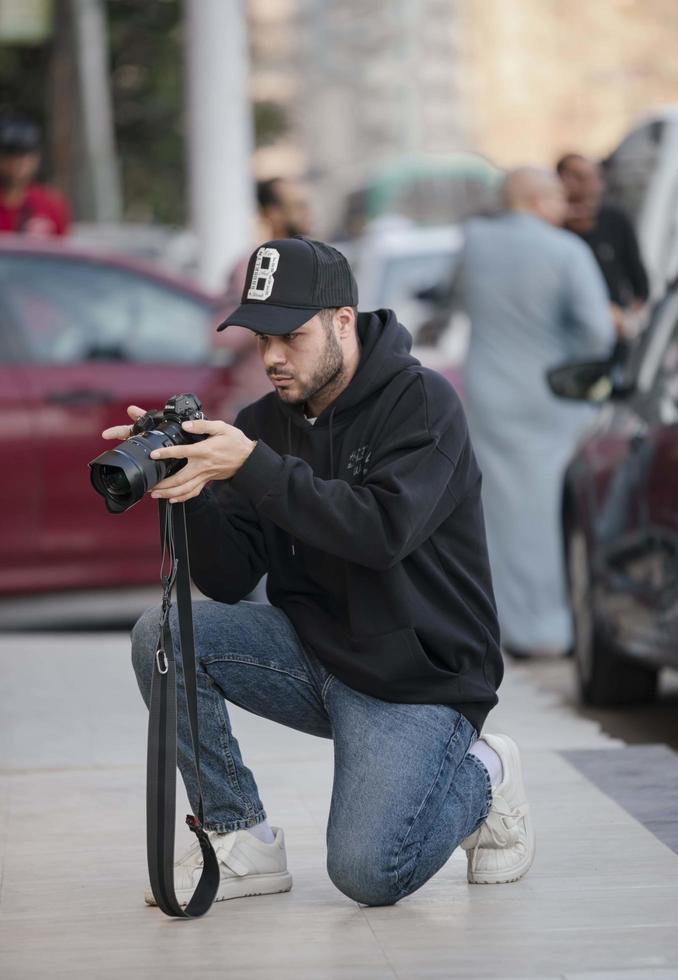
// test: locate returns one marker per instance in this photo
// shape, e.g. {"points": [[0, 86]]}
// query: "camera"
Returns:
{"points": [[124, 474]]}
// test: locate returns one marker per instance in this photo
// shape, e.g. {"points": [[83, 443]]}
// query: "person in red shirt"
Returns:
{"points": [[25, 207]]}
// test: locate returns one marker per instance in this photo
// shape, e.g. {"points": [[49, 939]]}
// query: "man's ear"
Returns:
{"points": [[345, 320]]}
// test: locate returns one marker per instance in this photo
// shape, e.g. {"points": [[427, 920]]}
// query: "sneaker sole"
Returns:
{"points": [[518, 870], [512, 874], [247, 887]]}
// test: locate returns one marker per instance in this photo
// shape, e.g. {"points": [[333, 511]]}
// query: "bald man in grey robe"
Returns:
{"points": [[535, 298]]}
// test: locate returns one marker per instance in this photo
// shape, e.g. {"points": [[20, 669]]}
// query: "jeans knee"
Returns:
{"points": [[361, 876]]}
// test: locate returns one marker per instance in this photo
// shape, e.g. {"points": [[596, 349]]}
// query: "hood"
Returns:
{"points": [[385, 353]]}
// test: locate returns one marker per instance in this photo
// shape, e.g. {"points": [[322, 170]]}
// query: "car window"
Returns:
{"points": [[405, 275], [669, 366], [666, 383], [668, 375], [72, 311], [658, 350], [630, 169]]}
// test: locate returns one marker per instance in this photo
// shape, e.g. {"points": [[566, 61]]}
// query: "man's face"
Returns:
{"points": [[302, 363], [292, 215], [18, 169], [552, 205], [582, 181]]}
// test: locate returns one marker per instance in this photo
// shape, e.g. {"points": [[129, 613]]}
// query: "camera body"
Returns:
{"points": [[123, 475]]}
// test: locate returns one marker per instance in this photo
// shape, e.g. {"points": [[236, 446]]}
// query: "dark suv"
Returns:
{"points": [[620, 516]]}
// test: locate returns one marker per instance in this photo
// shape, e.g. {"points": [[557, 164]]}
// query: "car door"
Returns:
{"points": [[19, 467], [100, 337], [655, 571]]}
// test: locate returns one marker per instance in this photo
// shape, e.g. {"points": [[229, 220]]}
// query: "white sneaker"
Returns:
{"points": [[502, 849], [247, 865]]}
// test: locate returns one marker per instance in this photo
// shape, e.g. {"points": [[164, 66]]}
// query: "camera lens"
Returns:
{"points": [[119, 477], [124, 474], [114, 481]]}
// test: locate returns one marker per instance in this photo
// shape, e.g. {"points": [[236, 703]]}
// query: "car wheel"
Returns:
{"points": [[605, 678]]}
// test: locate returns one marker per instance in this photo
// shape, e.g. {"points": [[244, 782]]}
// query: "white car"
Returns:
{"points": [[395, 261], [642, 178]]}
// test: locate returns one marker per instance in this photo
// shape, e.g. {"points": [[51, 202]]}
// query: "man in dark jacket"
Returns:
{"points": [[608, 233], [354, 486]]}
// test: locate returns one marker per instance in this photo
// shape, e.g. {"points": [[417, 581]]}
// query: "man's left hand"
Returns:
{"points": [[215, 458]]}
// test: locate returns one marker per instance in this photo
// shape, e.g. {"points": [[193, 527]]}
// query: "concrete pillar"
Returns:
{"points": [[219, 128], [102, 180]]}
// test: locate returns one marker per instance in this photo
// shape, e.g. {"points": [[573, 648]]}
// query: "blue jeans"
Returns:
{"points": [[406, 792]]}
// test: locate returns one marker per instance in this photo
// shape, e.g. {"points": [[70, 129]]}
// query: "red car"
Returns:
{"points": [[82, 337], [620, 516]]}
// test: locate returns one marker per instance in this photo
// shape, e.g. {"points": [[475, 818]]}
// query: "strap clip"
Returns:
{"points": [[193, 823]]}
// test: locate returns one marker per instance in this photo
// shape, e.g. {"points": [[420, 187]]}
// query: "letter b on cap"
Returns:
{"points": [[265, 265]]}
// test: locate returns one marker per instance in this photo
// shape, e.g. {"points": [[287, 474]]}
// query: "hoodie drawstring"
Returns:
{"points": [[289, 450], [331, 445]]}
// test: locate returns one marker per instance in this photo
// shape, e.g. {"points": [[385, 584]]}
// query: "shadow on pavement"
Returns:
{"points": [[652, 723]]}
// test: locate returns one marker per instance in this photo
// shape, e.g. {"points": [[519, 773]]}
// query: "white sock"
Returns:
{"points": [[489, 758], [262, 832]]}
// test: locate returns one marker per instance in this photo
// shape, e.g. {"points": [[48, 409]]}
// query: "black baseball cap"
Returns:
{"points": [[18, 136], [288, 281]]}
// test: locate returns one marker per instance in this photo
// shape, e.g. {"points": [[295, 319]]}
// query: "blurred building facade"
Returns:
{"points": [[276, 80], [365, 84], [381, 84], [362, 84], [546, 77], [342, 91]]}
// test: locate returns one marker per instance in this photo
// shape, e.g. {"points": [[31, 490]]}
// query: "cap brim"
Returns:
{"points": [[267, 318]]}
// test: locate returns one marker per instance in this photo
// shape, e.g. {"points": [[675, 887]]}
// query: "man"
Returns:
{"points": [[355, 487], [608, 233], [535, 299], [282, 212], [283, 207], [26, 207]]}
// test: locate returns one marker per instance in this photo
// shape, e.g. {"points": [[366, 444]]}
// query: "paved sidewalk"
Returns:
{"points": [[601, 902]]}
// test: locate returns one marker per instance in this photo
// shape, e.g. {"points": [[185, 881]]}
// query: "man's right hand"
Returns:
{"points": [[120, 432]]}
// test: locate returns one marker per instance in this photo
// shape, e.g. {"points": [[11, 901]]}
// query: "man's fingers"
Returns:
{"points": [[176, 494], [187, 496], [207, 427], [118, 432], [185, 475], [176, 452]]}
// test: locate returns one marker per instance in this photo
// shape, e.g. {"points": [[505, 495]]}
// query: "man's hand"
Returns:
{"points": [[120, 432], [618, 318], [215, 458]]}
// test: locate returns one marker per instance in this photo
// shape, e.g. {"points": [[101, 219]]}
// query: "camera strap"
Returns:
{"points": [[161, 762]]}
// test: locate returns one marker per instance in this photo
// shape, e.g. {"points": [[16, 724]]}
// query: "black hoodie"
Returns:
{"points": [[370, 527]]}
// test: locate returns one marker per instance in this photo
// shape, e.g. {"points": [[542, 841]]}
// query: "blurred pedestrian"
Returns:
{"points": [[282, 212], [283, 208], [535, 298], [609, 234], [26, 207]]}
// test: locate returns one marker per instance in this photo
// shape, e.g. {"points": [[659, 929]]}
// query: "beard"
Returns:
{"points": [[327, 374], [295, 228]]}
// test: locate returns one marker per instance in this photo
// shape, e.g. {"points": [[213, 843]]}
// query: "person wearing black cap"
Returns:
{"points": [[26, 207], [354, 486]]}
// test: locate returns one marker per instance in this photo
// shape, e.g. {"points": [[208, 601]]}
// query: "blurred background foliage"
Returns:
{"points": [[146, 51], [147, 84]]}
